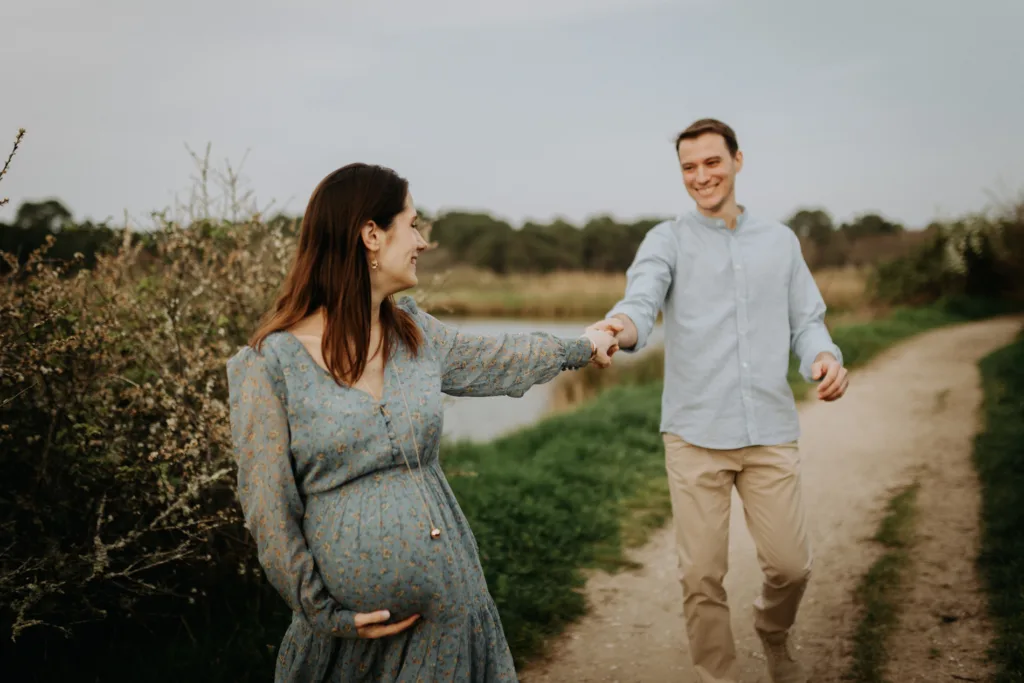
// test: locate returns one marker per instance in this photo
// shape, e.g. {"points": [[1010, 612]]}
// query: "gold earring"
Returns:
{"points": [[373, 264]]}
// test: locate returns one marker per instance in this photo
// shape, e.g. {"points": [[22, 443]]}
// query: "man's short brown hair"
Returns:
{"points": [[702, 126]]}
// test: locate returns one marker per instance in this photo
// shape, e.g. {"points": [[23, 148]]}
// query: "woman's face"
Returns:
{"points": [[399, 247]]}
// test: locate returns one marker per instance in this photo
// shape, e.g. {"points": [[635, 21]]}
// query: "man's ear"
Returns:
{"points": [[371, 235], [739, 161]]}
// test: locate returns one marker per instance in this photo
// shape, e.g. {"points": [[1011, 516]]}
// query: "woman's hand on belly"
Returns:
{"points": [[368, 624]]}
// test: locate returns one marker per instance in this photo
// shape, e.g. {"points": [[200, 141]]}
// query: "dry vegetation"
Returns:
{"points": [[469, 292]]}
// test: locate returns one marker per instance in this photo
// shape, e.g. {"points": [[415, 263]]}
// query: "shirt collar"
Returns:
{"points": [[719, 223]]}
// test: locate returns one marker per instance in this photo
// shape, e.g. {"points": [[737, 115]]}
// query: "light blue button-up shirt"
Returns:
{"points": [[735, 303]]}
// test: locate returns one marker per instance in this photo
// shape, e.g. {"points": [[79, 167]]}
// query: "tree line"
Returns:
{"points": [[480, 240], [606, 245]]}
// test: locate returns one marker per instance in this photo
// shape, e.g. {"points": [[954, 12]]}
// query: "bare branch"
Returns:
{"points": [[10, 157]]}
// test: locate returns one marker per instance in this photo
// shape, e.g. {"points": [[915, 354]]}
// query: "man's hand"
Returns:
{"points": [[832, 374], [610, 325], [622, 327]]}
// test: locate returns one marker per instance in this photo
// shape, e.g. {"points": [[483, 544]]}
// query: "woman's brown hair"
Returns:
{"points": [[330, 270]]}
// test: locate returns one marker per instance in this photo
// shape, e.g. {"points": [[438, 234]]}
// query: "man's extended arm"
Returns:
{"points": [[647, 281]]}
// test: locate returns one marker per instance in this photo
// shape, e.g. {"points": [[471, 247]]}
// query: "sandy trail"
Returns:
{"points": [[909, 415]]}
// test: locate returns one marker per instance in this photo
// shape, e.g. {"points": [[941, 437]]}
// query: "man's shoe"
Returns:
{"points": [[782, 668]]}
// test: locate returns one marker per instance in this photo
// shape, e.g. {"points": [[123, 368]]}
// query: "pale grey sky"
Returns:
{"points": [[527, 109]]}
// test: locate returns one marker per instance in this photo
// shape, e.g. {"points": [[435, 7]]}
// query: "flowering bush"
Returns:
{"points": [[114, 430]]}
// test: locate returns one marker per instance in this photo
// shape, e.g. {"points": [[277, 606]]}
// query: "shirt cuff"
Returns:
{"points": [[806, 363], [344, 625], [636, 316], [577, 353]]}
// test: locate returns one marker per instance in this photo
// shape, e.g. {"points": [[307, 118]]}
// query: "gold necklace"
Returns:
{"points": [[435, 532]]}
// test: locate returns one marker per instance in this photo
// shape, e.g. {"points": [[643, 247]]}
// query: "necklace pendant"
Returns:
{"points": [[435, 533]]}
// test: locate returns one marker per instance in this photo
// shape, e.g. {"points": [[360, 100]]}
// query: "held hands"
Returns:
{"points": [[622, 327], [832, 374], [371, 624], [602, 337]]}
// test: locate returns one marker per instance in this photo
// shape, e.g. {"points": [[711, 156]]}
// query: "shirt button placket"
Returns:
{"points": [[742, 327]]}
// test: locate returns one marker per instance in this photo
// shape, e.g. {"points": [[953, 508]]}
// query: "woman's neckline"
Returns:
{"points": [[325, 373]]}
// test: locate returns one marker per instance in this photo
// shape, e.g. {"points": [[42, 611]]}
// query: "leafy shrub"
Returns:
{"points": [[978, 257]]}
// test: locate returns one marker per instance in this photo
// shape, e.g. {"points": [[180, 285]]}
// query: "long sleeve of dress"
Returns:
{"points": [[498, 365], [268, 494]]}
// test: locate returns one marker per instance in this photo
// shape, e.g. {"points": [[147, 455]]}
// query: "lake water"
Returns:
{"points": [[482, 419]]}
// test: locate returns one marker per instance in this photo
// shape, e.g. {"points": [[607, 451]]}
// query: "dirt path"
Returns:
{"points": [[909, 415]]}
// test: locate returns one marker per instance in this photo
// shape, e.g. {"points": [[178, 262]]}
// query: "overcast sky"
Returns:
{"points": [[527, 109]]}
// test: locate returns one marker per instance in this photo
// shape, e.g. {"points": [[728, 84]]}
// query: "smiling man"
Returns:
{"points": [[737, 297]]}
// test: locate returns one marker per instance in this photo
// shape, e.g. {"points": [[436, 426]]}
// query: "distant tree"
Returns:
{"points": [[870, 225], [490, 248], [813, 224], [602, 244], [546, 248], [49, 216], [609, 246], [34, 222], [457, 232]]}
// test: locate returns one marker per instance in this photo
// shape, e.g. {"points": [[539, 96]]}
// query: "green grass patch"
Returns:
{"points": [[999, 458], [878, 591], [550, 500]]}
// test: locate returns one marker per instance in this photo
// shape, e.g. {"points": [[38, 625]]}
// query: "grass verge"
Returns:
{"points": [[877, 593], [999, 458]]}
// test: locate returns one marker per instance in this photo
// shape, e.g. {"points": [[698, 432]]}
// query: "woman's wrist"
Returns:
{"points": [[593, 344]]}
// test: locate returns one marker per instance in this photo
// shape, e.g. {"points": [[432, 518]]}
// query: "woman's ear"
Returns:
{"points": [[371, 235]]}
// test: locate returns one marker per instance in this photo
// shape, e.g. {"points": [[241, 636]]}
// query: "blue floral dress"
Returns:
{"points": [[339, 517]]}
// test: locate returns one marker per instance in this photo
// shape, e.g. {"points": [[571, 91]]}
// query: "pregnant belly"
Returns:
{"points": [[372, 545]]}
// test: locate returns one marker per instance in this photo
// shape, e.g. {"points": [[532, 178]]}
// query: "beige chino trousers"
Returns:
{"points": [[769, 484]]}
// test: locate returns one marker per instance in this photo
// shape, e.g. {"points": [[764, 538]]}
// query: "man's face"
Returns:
{"points": [[709, 171]]}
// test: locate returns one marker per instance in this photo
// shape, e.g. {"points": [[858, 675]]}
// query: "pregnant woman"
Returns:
{"points": [[336, 417]]}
